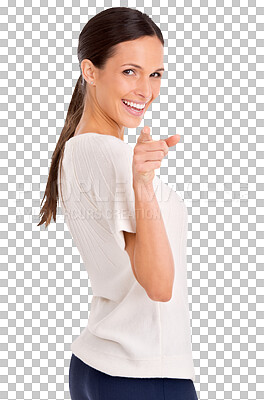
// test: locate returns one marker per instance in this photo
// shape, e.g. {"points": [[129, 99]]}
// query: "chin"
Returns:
{"points": [[132, 125]]}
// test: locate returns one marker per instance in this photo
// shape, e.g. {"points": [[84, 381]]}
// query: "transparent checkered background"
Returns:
{"points": [[212, 94]]}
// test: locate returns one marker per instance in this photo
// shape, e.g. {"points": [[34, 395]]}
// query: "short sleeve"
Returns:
{"points": [[104, 164]]}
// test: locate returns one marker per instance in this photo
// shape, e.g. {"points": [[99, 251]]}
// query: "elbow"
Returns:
{"points": [[162, 291], [163, 297]]}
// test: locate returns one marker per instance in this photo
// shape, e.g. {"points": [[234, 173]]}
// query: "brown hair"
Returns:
{"points": [[97, 42]]}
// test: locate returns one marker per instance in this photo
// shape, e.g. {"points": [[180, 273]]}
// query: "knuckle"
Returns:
{"points": [[138, 148], [135, 158], [164, 146], [140, 168]]}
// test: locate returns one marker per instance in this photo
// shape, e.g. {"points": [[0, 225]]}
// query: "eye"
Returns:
{"points": [[124, 72]]}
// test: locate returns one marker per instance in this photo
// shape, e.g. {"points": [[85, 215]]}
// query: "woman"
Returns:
{"points": [[129, 227]]}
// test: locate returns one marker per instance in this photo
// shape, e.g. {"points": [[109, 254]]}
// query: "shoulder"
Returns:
{"points": [[93, 150], [95, 141]]}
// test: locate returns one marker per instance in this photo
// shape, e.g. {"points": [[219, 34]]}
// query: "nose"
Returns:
{"points": [[144, 89]]}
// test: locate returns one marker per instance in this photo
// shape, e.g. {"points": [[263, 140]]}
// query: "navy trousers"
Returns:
{"points": [[87, 383]]}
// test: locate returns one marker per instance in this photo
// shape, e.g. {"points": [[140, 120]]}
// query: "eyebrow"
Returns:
{"points": [[138, 66]]}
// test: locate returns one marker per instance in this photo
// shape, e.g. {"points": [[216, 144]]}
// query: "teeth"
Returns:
{"points": [[135, 105]]}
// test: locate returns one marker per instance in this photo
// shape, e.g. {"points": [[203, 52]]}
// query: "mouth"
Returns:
{"points": [[133, 110]]}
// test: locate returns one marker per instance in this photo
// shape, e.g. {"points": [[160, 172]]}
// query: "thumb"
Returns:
{"points": [[144, 135]]}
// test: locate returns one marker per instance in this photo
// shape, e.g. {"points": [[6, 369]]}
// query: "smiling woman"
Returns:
{"points": [[136, 344], [103, 110]]}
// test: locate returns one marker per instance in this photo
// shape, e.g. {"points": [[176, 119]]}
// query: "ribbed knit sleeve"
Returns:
{"points": [[103, 169]]}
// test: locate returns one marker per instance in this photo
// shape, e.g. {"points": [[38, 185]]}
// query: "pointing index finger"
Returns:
{"points": [[172, 140]]}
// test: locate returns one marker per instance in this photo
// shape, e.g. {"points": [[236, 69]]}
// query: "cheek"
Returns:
{"points": [[118, 88], [156, 87], [125, 86], [155, 90], [106, 92]]}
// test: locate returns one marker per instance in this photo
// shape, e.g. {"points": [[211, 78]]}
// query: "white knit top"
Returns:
{"points": [[127, 334]]}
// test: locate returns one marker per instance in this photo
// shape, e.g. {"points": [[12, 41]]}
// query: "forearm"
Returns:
{"points": [[153, 259]]}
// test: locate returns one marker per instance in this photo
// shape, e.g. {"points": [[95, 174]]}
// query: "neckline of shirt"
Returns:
{"points": [[95, 133]]}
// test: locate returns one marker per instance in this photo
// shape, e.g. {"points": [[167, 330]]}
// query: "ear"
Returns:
{"points": [[88, 70]]}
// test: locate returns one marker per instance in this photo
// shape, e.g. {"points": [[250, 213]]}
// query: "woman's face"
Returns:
{"points": [[120, 80]]}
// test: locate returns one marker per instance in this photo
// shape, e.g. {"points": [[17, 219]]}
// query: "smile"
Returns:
{"points": [[133, 110]]}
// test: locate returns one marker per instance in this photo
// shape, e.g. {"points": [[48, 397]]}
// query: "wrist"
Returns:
{"points": [[143, 190]]}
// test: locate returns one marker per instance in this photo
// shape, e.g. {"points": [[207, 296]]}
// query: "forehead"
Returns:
{"points": [[145, 51]]}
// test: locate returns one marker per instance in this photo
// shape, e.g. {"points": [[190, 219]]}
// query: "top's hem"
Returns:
{"points": [[180, 367]]}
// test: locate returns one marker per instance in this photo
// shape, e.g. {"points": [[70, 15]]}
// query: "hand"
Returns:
{"points": [[148, 155]]}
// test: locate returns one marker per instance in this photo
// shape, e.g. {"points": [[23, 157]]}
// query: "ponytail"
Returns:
{"points": [[72, 119]]}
